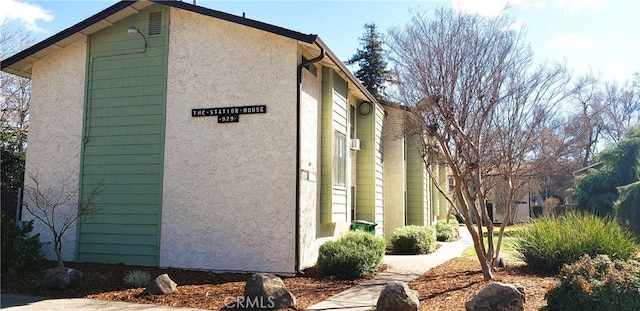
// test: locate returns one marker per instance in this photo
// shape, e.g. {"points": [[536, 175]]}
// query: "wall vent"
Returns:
{"points": [[155, 23]]}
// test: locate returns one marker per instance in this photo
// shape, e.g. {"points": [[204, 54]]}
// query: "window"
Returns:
{"points": [[451, 184], [339, 159]]}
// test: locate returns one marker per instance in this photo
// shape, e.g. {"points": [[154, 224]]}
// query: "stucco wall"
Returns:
{"points": [[394, 170], [310, 170], [229, 188], [55, 134]]}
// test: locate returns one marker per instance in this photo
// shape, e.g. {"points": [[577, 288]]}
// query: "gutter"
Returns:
{"points": [[298, 99]]}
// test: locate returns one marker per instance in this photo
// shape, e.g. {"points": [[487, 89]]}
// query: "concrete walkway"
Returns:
{"points": [[15, 302], [361, 297], [403, 268]]}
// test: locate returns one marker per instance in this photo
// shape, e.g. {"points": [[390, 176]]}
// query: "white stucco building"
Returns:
{"points": [[220, 142]]}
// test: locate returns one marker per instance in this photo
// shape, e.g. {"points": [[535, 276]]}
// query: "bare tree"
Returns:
{"points": [[605, 111], [621, 109], [586, 125], [472, 89], [60, 206], [15, 96]]}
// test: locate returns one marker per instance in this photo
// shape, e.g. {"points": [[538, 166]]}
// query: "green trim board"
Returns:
{"points": [[124, 123]]}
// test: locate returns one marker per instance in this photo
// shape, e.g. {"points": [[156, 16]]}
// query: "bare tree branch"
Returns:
{"points": [[469, 83], [59, 206]]}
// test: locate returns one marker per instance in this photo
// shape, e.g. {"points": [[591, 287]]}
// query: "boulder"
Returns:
{"points": [[267, 291], [162, 285], [502, 262], [497, 296], [60, 278], [397, 296]]}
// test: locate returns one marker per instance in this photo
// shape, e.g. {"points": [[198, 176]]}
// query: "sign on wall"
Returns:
{"points": [[228, 114]]}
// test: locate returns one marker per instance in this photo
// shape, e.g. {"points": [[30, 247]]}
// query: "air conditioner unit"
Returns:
{"points": [[355, 144]]}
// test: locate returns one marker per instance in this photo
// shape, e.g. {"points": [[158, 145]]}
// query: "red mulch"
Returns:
{"points": [[445, 287]]}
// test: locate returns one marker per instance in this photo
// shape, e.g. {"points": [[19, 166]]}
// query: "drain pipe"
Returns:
{"points": [[298, 95]]}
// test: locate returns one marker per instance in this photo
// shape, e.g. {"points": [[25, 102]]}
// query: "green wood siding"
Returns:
{"points": [[333, 199], [379, 170], [124, 141], [369, 171], [441, 210], [416, 186]]}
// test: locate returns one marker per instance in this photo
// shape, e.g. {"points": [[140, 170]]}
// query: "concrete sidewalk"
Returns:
{"points": [[361, 297], [15, 302], [403, 268]]}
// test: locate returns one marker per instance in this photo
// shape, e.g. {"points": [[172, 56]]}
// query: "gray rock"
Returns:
{"points": [[162, 285], [60, 278], [502, 263], [497, 297], [397, 296], [267, 291]]}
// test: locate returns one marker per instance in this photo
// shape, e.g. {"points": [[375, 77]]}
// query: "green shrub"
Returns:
{"points": [[551, 241], [137, 278], [414, 239], [351, 256], [446, 232], [597, 284], [19, 249]]}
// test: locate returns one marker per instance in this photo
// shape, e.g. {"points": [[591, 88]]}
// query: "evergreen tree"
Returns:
{"points": [[598, 189], [370, 58]]}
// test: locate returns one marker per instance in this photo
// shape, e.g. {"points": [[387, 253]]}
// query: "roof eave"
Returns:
{"points": [[22, 58], [347, 72]]}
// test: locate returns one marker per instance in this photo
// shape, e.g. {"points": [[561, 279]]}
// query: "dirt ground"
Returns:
{"points": [[445, 287], [448, 286]]}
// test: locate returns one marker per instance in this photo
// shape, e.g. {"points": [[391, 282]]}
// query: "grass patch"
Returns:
{"points": [[506, 249]]}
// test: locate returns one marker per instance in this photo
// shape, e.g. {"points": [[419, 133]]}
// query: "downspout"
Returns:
{"points": [[298, 95]]}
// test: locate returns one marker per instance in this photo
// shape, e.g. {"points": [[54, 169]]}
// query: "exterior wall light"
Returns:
{"points": [[133, 29]]}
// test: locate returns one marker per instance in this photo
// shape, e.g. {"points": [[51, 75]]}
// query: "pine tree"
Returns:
{"points": [[370, 58]]}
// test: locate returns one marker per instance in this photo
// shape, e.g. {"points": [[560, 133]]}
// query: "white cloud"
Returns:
{"points": [[569, 43], [532, 4], [572, 6], [517, 25], [25, 13], [495, 7], [481, 7]]}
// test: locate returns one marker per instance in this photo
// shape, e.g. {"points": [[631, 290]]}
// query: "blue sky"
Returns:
{"points": [[598, 35]]}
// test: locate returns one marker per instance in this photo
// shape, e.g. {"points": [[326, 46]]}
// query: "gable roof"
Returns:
{"points": [[21, 63]]}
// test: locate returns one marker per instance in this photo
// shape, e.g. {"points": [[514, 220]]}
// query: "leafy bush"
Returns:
{"points": [[137, 278], [597, 284], [414, 239], [353, 255], [446, 232], [19, 250], [551, 241]]}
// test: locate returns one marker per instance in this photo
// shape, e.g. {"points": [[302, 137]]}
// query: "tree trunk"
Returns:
{"points": [[58, 248], [485, 263], [478, 245]]}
